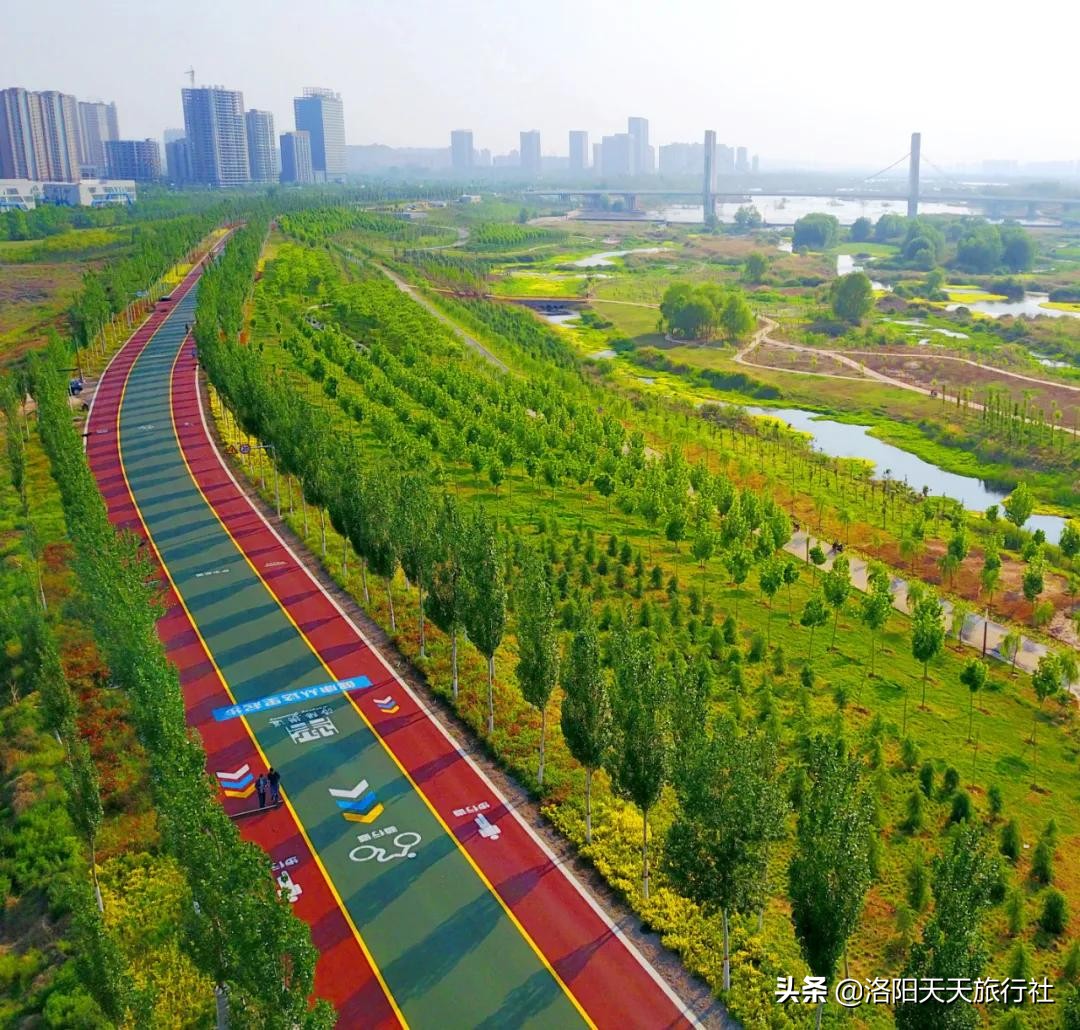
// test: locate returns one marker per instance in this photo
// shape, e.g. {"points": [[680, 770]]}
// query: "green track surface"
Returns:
{"points": [[447, 950]]}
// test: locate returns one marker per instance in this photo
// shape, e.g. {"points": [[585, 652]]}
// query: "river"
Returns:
{"points": [[840, 440], [784, 210]]}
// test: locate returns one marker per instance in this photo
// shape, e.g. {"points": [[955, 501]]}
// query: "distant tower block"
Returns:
{"points": [[913, 175], [708, 188]]}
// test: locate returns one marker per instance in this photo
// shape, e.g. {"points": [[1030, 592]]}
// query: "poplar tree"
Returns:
{"points": [[830, 870], [537, 639], [485, 608], [927, 634], [446, 603], [638, 759], [732, 808], [836, 586], [414, 530], [586, 707], [952, 945]]}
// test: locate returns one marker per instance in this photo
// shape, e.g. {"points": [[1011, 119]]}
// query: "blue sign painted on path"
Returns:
{"points": [[290, 697]]}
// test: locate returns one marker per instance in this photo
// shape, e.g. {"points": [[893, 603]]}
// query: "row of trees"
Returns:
{"points": [[155, 248], [238, 911]]}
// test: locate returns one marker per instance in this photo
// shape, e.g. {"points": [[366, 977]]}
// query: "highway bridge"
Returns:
{"points": [[710, 195]]}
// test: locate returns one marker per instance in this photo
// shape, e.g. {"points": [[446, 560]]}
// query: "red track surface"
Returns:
{"points": [[609, 980], [343, 975]]}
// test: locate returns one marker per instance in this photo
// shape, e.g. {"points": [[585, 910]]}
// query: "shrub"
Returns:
{"points": [[909, 754], [962, 807], [1010, 840], [1020, 962], [1014, 911], [995, 800], [926, 778], [1055, 912], [918, 883], [915, 819], [950, 782], [1070, 970], [1042, 862]]}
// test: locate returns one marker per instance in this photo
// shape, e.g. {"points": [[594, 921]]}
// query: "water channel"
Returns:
{"points": [[1031, 305], [604, 258], [840, 440]]}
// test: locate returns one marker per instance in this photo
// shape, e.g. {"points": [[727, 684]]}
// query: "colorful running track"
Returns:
{"points": [[431, 902]]}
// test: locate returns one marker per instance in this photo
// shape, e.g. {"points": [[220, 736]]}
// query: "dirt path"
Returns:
{"points": [[416, 295], [975, 364], [762, 336]]}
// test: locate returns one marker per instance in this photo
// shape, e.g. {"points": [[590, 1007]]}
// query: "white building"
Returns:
{"points": [[19, 194], [90, 193]]}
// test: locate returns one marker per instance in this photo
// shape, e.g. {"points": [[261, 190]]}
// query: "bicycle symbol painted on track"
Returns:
{"points": [[403, 842]]}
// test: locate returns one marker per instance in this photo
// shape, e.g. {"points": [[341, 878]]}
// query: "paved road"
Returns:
{"points": [[431, 902]]}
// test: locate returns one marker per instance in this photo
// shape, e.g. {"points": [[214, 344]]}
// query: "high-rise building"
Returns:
{"points": [[725, 160], [296, 161], [597, 158], [754, 165], [262, 155], [97, 124], [616, 155], [461, 150], [135, 159], [483, 158], [60, 123], [171, 135], [178, 159], [319, 112], [39, 135], [530, 152], [579, 150], [742, 163], [216, 136], [22, 139], [641, 156], [681, 159]]}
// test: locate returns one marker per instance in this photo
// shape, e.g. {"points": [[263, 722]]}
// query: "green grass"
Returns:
{"points": [[84, 243]]}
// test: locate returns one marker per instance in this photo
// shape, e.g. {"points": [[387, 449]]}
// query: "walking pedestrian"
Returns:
{"points": [[275, 786], [260, 785]]}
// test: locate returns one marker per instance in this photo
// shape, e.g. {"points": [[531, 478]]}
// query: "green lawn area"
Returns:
{"points": [[85, 243], [33, 298], [873, 249]]}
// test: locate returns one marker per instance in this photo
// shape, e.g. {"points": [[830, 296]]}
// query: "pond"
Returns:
{"points": [[604, 258], [840, 440], [560, 317], [1031, 305]]}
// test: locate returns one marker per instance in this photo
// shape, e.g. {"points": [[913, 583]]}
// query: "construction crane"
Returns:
{"points": [[190, 73]]}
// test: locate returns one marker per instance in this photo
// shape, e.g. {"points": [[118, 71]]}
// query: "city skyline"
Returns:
{"points": [[481, 66]]}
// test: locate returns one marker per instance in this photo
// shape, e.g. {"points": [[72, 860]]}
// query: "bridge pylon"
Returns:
{"points": [[708, 188], [913, 174]]}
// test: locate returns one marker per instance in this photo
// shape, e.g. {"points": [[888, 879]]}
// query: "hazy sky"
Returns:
{"points": [[793, 80]]}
